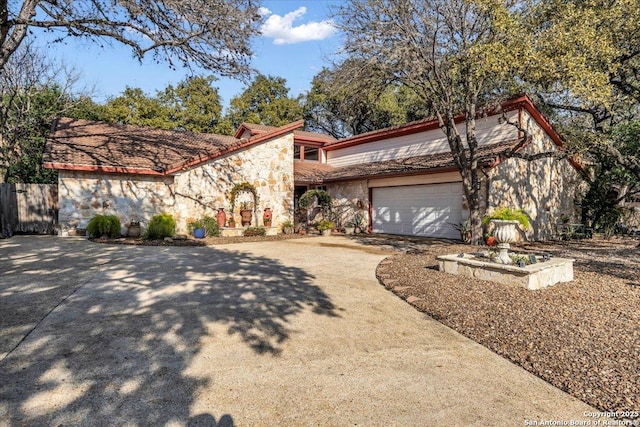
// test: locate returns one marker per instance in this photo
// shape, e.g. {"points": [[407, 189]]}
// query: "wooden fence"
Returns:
{"points": [[28, 208]]}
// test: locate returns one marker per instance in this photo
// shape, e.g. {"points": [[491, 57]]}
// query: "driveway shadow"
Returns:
{"points": [[118, 349]]}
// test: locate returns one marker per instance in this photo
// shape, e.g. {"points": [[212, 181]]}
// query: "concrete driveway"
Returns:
{"points": [[295, 332]]}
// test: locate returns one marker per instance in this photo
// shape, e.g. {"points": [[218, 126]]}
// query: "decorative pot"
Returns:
{"points": [[133, 231], [505, 233], [245, 215], [267, 217], [349, 230], [198, 233], [326, 232], [221, 217]]}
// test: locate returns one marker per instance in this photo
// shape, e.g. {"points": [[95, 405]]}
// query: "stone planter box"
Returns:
{"points": [[534, 276], [231, 231]]}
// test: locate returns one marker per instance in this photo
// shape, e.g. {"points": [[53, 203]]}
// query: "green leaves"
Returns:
{"points": [[265, 101], [193, 105]]}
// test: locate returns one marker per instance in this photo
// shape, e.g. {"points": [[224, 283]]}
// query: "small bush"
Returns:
{"points": [[255, 231], [161, 226], [104, 225], [325, 224], [210, 225]]}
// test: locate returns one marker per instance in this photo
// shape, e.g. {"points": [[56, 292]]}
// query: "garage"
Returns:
{"points": [[429, 210]]}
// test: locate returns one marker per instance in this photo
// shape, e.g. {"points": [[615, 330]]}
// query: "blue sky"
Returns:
{"points": [[298, 40]]}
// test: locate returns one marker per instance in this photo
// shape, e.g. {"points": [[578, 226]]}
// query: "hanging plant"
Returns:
{"points": [[243, 187]]}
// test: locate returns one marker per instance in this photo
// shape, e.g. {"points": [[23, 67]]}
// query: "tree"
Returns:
{"points": [[591, 55], [195, 105], [611, 184], [451, 53], [341, 107], [212, 34], [134, 107], [265, 101], [34, 90], [192, 105]]}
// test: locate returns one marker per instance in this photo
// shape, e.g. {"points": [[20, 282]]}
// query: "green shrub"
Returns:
{"points": [[325, 225], [209, 223], [161, 226], [507, 214], [101, 225], [255, 231]]}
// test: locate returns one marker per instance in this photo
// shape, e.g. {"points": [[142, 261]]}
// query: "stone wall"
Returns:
{"points": [[81, 195], [268, 166], [349, 198], [190, 194], [544, 188]]}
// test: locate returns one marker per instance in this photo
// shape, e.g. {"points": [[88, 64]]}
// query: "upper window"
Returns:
{"points": [[311, 154], [308, 154]]}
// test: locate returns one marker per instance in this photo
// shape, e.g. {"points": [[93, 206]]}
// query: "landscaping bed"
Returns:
{"points": [[190, 241], [582, 336]]}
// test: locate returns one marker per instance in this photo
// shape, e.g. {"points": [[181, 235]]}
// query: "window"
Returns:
{"points": [[311, 154], [305, 153]]}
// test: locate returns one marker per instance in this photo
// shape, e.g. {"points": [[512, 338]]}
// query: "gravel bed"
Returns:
{"points": [[582, 337]]}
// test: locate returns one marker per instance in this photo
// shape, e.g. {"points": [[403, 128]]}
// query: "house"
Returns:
{"points": [[400, 180]]}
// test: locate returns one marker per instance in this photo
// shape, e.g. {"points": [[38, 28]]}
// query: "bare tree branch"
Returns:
{"points": [[214, 34]]}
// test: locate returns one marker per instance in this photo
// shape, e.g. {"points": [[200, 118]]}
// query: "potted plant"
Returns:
{"points": [[246, 206], [231, 223], [267, 217], [133, 227], [504, 220], [287, 227], [245, 213], [358, 219], [196, 227], [489, 239], [325, 226], [349, 227]]}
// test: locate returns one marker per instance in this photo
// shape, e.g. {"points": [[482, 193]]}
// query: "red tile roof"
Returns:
{"points": [[306, 135], [87, 145], [257, 129]]}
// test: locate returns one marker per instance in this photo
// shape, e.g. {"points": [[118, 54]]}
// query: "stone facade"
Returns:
{"points": [[350, 199], [192, 193], [81, 195], [544, 188], [267, 166]]}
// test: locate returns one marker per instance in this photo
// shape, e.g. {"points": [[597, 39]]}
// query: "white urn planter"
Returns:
{"points": [[505, 232]]}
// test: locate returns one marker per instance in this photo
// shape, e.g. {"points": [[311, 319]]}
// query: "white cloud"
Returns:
{"points": [[281, 28]]}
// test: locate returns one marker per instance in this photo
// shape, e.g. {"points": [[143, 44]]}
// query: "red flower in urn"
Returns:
{"points": [[267, 217]]}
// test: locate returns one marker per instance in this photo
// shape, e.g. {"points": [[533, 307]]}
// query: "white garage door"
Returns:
{"points": [[419, 210]]}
